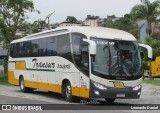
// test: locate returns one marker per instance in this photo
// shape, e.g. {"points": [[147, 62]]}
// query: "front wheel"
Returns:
{"points": [[68, 92], [22, 86], [110, 100]]}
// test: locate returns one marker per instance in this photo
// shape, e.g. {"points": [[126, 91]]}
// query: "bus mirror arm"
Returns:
{"points": [[92, 47], [149, 49]]}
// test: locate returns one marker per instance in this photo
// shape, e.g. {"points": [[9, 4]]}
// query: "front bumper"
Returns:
{"points": [[112, 92]]}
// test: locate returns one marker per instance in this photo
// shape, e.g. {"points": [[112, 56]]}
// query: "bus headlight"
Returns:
{"points": [[137, 87], [100, 86]]}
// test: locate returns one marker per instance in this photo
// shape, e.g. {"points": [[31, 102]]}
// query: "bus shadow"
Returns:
{"points": [[87, 102], [45, 94]]}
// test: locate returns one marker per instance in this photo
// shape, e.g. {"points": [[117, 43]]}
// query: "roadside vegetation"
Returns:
{"points": [[4, 79], [153, 82]]}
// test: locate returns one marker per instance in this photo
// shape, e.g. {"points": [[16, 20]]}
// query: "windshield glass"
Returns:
{"points": [[118, 59]]}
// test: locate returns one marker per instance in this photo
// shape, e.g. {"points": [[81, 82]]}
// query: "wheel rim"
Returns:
{"points": [[22, 84], [68, 91]]}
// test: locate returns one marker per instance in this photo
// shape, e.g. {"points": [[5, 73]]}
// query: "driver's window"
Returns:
{"points": [[85, 59], [80, 52]]}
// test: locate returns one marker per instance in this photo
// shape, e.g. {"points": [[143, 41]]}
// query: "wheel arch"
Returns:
{"points": [[64, 82], [65, 79]]}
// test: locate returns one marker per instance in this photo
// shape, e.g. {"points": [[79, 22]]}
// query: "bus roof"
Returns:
{"points": [[98, 32]]}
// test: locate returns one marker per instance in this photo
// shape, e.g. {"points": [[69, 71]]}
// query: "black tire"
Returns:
{"points": [[23, 88], [67, 92], [110, 100]]}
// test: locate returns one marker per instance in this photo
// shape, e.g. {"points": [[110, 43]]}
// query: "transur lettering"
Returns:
{"points": [[42, 64]]}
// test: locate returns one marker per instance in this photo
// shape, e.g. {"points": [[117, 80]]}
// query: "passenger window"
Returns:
{"points": [[43, 47], [28, 48], [12, 50], [64, 48], [52, 46], [16, 49], [35, 48], [19, 50]]}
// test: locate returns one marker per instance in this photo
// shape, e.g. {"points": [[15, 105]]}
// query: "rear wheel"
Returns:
{"points": [[22, 86], [67, 90], [110, 100]]}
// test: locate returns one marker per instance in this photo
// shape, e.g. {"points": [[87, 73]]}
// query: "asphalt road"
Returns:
{"points": [[12, 95]]}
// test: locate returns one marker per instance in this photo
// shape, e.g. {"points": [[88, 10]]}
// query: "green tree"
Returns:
{"points": [[37, 26], [12, 16], [125, 23], [155, 44], [71, 19], [148, 11], [156, 35]]}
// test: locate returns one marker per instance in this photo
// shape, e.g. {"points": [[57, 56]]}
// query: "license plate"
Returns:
{"points": [[120, 95], [118, 84]]}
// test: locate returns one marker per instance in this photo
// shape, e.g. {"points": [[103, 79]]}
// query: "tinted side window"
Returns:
{"points": [[35, 48], [12, 50], [52, 46], [43, 47], [64, 48], [17, 51], [28, 48], [21, 50]]}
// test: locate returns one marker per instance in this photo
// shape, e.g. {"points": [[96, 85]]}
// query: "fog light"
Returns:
{"points": [[96, 92], [139, 93]]}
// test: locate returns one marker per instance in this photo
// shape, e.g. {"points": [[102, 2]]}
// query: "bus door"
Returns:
{"points": [[84, 74], [81, 60]]}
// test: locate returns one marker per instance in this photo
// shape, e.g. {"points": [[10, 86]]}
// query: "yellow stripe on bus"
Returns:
{"points": [[12, 79], [20, 66], [76, 91], [84, 92], [43, 86]]}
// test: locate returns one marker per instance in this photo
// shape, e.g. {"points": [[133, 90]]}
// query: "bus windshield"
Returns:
{"points": [[116, 59]]}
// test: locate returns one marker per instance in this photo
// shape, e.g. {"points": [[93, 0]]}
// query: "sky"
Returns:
{"points": [[80, 9]]}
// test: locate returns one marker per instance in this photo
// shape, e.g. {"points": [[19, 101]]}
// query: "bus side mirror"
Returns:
{"points": [[149, 49], [92, 46]]}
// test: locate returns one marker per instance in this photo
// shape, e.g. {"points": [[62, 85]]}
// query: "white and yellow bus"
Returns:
{"points": [[87, 62]]}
